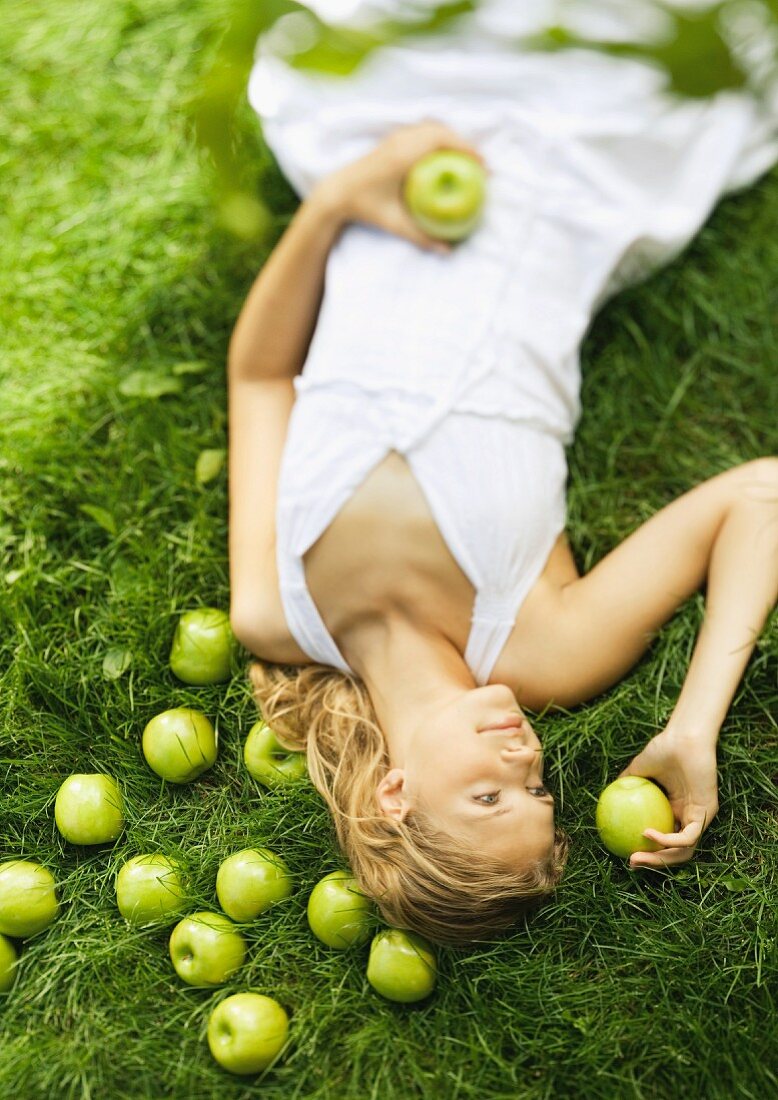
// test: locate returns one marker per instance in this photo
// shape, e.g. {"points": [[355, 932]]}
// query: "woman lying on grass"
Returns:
{"points": [[397, 509]]}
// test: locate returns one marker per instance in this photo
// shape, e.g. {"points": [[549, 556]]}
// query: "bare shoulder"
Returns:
{"points": [[533, 650]]}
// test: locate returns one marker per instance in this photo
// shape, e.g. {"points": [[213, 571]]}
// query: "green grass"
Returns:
{"points": [[629, 985]]}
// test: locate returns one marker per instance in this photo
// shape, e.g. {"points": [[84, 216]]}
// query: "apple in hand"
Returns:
{"points": [[149, 889], [625, 808], [444, 192], [268, 761], [402, 966], [203, 645], [249, 881], [179, 744], [338, 914], [206, 949], [28, 901], [88, 809], [8, 959], [246, 1032]]}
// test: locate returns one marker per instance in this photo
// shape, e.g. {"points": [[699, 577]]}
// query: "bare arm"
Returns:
{"points": [[606, 619], [742, 590], [275, 325], [725, 531]]}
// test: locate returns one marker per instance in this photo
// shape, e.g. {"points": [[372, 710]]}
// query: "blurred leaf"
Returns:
{"points": [[209, 465], [101, 516], [223, 86], [339, 49], [149, 384], [697, 59], [244, 215], [197, 366], [116, 662]]}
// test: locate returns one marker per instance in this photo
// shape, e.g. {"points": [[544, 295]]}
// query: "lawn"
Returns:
{"points": [[118, 290]]}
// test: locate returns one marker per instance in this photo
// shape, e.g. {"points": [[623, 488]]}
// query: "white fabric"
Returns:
{"points": [[468, 364]]}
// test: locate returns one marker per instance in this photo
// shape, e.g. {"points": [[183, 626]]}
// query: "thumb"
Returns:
{"points": [[629, 770]]}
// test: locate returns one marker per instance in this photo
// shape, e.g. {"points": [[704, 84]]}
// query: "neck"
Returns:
{"points": [[409, 671]]}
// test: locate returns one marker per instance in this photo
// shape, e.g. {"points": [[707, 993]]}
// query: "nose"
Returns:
{"points": [[522, 759], [518, 753]]}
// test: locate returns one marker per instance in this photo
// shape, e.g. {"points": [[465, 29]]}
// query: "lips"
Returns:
{"points": [[508, 722], [513, 722]]}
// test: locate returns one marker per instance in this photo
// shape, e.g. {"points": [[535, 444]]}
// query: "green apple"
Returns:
{"points": [[249, 881], [203, 646], [149, 889], [88, 809], [338, 914], [28, 899], [246, 1032], [268, 761], [625, 808], [402, 966], [444, 192], [8, 959], [179, 744], [206, 949]]}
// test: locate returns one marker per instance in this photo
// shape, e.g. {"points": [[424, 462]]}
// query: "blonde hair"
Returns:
{"points": [[420, 877]]}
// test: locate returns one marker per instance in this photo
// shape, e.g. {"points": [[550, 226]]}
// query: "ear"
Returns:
{"points": [[391, 796]]}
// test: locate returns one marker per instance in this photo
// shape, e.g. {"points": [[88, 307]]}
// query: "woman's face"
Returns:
{"points": [[483, 783]]}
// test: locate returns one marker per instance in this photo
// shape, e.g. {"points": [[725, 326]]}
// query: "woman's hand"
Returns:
{"points": [[685, 765], [370, 189]]}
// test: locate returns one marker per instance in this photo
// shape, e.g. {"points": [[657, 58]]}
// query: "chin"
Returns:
{"points": [[500, 694]]}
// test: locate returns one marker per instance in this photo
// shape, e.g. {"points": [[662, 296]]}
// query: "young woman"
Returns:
{"points": [[399, 411]]}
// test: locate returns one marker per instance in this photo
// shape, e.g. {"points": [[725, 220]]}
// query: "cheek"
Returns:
{"points": [[444, 747], [444, 779], [467, 777], [451, 760]]}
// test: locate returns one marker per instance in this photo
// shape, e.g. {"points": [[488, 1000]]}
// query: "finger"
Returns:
{"points": [[635, 768], [429, 244], [404, 226], [462, 146], [667, 858], [686, 837], [450, 139]]}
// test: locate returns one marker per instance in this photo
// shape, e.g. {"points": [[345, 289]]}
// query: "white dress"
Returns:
{"points": [[468, 364]]}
